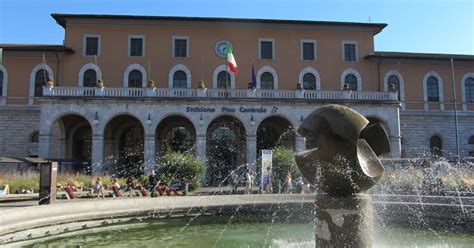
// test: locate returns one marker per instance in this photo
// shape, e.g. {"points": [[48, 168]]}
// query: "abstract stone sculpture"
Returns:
{"points": [[345, 159]]}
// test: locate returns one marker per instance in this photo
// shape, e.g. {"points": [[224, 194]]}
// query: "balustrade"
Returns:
{"points": [[218, 93]]}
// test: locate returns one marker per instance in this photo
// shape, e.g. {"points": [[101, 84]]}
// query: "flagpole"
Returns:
{"points": [[225, 61], [149, 69], [44, 70]]}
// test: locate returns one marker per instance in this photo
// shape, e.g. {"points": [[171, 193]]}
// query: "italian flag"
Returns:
{"points": [[231, 60]]}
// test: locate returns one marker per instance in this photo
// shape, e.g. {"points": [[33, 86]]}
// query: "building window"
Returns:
{"points": [[41, 77], [180, 47], [471, 140], [351, 81], [90, 78], [223, 80], [469, 89], [135, 79], [91, 45], [308, 51], [136, 46], [179, 80], [266, 49], [34, 137], [309, 81], [432, 89], [392, 79], [266, 81], [350, 52], [436, 146]]}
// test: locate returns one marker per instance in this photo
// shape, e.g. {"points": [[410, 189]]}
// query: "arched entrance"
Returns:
{"points": [[72, 143], [275, 131], [175, 133], [123, 146], [226, 148]]}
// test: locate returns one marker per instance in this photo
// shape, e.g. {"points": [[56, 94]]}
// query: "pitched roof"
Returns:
{"points": [[35, 48], [61, 20], [419, 56]]}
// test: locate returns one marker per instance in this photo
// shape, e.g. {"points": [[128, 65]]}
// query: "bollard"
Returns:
{"points": [[48, 176]]}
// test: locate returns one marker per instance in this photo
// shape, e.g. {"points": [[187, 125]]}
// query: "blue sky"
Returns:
{"points": [[427, 26]]}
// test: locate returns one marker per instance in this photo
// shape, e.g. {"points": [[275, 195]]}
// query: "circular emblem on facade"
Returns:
{"points": [[221, 48]]}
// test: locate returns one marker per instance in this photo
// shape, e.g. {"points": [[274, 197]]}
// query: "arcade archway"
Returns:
{"points": [[123, 146], [72, 143], [175, 133], [226, 148], [275, 131]]}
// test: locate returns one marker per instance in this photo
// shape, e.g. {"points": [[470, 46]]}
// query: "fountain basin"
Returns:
{"points": [[39, 222]]}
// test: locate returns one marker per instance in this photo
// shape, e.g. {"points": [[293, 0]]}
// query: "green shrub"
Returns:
{"points": [[283, 159], [18, 182], [176, 166]]}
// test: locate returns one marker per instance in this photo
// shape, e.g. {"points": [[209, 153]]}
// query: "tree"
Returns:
{"points": [[283, 159], [178, 167]]}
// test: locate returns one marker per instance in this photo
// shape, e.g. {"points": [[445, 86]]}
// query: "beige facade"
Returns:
{"points": [[68, 63]]}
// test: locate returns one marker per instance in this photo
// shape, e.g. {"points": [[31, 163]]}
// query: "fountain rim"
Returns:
{"points": [[20, 219]]}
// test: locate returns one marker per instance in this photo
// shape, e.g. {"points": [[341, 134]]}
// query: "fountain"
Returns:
{"points": [[343, 164], [342, 167]]}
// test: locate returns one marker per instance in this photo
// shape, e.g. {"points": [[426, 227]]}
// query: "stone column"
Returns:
{"points": [[345, 221], [395, 146], [45, 145], [201, 147], [149, 153], [252, 152], [300, 143], [97, 159], [64, 150]]}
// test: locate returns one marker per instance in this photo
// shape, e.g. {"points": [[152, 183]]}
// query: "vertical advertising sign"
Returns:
{"points": [[266, 170]]}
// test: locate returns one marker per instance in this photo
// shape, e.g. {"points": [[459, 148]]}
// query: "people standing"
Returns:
{"points": [[267, 184], [288, 185], [300, 185], [249, 176], [234, 181], [153, 182]]}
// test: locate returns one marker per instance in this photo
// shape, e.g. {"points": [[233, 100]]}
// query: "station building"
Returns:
{"points": [[123, 90]]}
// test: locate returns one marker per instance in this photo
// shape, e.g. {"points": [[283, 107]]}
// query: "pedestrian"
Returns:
{"points": [[249, 176], [288, 185], [153, 180], [130, 186], [234, 181], [267, 179], [99, 187], [300, 185]]}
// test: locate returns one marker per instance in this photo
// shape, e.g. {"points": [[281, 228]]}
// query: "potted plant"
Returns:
{"points": [[100, 83], [299, 86], [50, 83], [202, 84], [151, 84]]}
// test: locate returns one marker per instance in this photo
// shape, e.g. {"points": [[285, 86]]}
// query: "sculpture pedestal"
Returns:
{"points": [[344, 221]]}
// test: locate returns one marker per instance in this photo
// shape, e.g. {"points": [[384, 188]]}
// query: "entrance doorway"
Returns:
{"points": [[226, 149], [124, 146]]}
